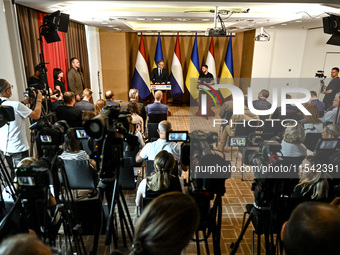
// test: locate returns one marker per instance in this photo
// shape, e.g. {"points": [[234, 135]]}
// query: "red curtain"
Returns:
{"points": [[55, 55]]}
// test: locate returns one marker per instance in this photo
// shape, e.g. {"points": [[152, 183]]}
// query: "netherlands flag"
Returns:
{"points": [[176, 76], [141, 78], [210, 61]]}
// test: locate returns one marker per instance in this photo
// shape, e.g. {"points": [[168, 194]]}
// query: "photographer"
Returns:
{"points": [[14, 143], [332, 88]]}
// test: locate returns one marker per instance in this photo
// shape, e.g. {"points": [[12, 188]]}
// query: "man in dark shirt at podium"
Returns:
{"points": [[159, 74], [206, 77]]}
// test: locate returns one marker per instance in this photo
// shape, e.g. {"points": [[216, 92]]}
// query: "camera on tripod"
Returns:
{"points": [[6, 114], [33, 180], [32, 91], [108, 132]]}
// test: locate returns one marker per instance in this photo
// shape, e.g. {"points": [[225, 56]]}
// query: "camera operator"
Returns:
{"points": [[332, 88], [14, 143]]}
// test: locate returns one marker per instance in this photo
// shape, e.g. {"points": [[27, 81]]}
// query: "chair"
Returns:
{"points": [[81, 176], [311, 140], [157, 117], [126, 176], [149, 165], [152, 131]]}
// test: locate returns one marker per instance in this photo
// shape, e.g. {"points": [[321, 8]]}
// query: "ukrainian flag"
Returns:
{"points": [[159, 52], [193, 71], [227, 74]]}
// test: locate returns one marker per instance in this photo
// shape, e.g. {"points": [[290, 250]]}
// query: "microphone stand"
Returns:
{"points": [[100, 92]]}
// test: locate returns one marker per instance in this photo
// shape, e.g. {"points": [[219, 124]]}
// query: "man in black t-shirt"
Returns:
{"points": [[332, 88], [206, 77], [68, 112]]}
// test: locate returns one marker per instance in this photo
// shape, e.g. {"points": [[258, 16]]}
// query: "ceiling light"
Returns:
{"points": [[263, 36], [111, 26], [157, 19], [104, 23], [298, 21], [205, 19], [181, 19], [284, 24], [140, 19]]}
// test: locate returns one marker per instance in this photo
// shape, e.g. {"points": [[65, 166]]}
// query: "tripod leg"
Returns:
{"points": [[121, 216], [127, 212], [217, 228], [234, 246], [198, 243], [206, 242]]}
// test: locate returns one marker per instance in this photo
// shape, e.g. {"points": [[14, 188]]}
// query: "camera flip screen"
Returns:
{"points": [[81, 134], [179, 136], [46, 138], [328, 144], [26, 181], [237, 141]]}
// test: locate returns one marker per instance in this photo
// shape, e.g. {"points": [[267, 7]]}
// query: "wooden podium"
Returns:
{"points": [[204, 97], [164, 88]]}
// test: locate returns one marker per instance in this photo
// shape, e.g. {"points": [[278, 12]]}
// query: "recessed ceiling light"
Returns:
{"points": [[140, 19], [181, 19], [157, 19], [298, 21], [284, 24], [116, 28], [104, 23], [111, 26], [205, 19]]}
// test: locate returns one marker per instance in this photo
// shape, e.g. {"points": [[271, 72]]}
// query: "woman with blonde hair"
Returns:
{"points": [[100, 104], [313, 184], [292, 143], [312, 123], [331, 131], [161, 179], [166, 226]]}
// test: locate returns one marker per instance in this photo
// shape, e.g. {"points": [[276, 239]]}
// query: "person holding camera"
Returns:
{"points": [[332, 88], [14, 143]]}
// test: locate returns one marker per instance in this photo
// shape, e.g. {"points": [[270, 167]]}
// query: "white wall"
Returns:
{"points": [[11, 64], [93, 47], [291, 58]]}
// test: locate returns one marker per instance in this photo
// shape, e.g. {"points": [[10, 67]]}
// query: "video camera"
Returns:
{"points": [[32, 91], [6, 114], [33, 180], [108, 131]]}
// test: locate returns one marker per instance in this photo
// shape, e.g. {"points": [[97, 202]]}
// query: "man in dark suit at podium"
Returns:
{"points": [[159, 74]]}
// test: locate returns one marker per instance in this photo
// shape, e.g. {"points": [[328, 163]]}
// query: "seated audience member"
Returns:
{"points": [[330, 116], [100, 104], [133, 95], [137, 120], [87, 115], [166, 225], [292, 112], [59, 102], [262, 103], [58, 83], [229, 130], [312, 123], [313, 229], [226, 110], [292, 143], [313, 184], [72, 152], [68, 112], [157, 106], [314, 100], [331, 131], [24, 244], [150, 150], [161, 179], [110, 98], [85, 104]]}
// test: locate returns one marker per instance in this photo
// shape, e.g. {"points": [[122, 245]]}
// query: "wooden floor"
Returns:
{"points": [[238, 192]]}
